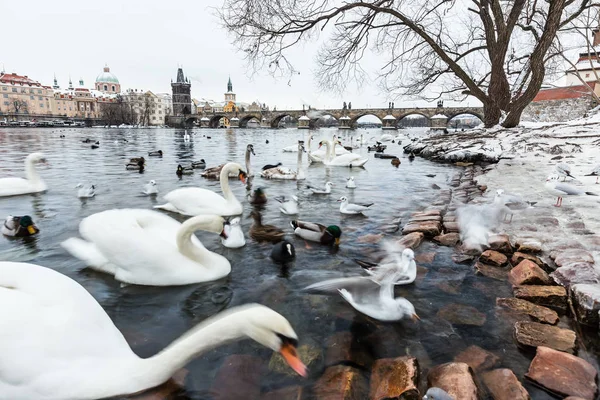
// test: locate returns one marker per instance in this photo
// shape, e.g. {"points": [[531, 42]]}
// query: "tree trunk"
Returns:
{"points": [[513, 118], [491, 114]]}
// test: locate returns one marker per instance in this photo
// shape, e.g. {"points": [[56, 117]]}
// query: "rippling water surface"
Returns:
{"points": [[152, 317]]}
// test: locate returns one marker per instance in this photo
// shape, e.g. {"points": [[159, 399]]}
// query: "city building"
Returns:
{"points": [[167, 102], [148, 108], [182, 99], [20, 94], [107, 82]]}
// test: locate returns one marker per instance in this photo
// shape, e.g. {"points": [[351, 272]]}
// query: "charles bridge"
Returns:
{"points": [[438, 117]]}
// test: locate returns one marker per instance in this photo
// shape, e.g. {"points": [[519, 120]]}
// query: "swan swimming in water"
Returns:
{"points": [[279, 172], [234, 234], [344, 160], [195, 201], [33, 183], [67, 346], [145, 247]]}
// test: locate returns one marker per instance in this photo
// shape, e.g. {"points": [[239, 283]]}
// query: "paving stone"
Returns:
{"points": [[534, 334]]}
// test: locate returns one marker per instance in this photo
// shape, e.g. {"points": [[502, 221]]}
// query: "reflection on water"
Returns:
{"points": [[150, 318]]}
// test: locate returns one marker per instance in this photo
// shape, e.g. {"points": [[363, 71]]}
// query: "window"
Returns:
{"points": [[4, 88], [14, 90], [113, 88], [160, 112], [153, 118], [159, 105], [41, 105], [31, 97], [41, 98], [23, 90], [6, 103], [105, 87], [31, 90], [5, 96], [39, 91]]}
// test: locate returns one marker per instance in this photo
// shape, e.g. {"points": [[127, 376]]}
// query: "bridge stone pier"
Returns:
{"points": [[438, 117]]}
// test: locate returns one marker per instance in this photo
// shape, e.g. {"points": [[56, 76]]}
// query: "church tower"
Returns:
{"points": [[229, 96], [182, 99]]}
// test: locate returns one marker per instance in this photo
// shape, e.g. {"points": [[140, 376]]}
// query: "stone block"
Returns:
{"points": [[343, 349], [500, 243], [341, 382], [309, 355], [572, 256], [448, 239], [165, 391], [528, 273], [455, 378], [517, 257], [529, 246], [395, 378], [460, 314], [493, 257], [537, 313], [500, 274], [504, 385], [451, 227], [477, 358], [429, 229], [238, 378], [575, 273], [563, 374], [554, 297], [586, 298], [411, 240], [534, 334], [286, 393]]}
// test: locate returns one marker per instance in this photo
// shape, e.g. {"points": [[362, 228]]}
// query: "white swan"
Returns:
{"points": [[234, 236], [145, 247], [286, 173], [320, 155], [32, 184], [57, 343], [290, 149], [196, 201], [345, 160]]}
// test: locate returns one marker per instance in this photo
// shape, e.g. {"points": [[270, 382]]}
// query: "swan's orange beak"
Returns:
{"points": [[242, 178], [291, 357]]}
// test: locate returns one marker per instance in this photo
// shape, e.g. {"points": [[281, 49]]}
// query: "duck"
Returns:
{"points": [[137, 166], [184, 171], [146, 247], [267, 141], [19, 226], [195, 201], [271, 166], [328, 235], [283, 252], [61, 336], [135, 160], [595, 172], [327, 190], [215, 172], [344, 160], [235, 235], [288, 206], [350, 208], [264, 233], [88, 140], [151, 188], [283, 173], [158, 153], [350, 184], [395, 162], [85, 191], [96, 145], [199, 164], [258, 197], [33, 183]]}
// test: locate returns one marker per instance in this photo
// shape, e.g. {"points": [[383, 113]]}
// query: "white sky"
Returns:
{"points": [[144, 41]]}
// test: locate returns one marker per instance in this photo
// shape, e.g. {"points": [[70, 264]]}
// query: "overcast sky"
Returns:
{"points": [[143, 42]]}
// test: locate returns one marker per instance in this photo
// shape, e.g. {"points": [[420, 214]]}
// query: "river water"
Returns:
{"points": [[151, 317]]}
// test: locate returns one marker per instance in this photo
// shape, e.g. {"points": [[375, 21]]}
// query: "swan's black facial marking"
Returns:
{"points": [[287, 340]]}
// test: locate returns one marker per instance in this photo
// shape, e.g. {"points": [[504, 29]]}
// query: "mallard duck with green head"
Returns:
{"points": [[329, 235], [19, 226]]}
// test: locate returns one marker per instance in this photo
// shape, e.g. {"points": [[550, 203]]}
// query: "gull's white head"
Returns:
{"points": [[408, 254], [328, 184], [499, 192], [152, 183], [407, 308], [343, 199]]}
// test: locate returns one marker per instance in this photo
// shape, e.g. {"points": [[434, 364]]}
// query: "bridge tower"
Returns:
{"points": [[182, 99]]}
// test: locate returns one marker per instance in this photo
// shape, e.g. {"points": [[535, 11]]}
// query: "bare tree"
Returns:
{"points": [[18, 105], [117, 112], [494, 50]]}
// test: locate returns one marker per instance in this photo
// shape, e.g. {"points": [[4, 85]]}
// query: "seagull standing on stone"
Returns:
{"points": [[350, 208], [512, 202], [564, 170], [561, 189], [595, 172]]}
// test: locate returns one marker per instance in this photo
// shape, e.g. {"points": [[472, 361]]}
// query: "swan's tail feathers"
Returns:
{"points": [[86, 252], [167, 207]]}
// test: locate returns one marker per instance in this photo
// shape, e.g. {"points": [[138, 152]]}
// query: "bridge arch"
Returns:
{"points": [[413, 115], [277, 119], [214, 120], [247, 118], [465, 112], [354, 120], [191, 121], [455, 124]]}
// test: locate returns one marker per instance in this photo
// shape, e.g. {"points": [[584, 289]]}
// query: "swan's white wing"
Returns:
{"points": [[195, 201], [49, 322], [14, 186], [88, 253]]}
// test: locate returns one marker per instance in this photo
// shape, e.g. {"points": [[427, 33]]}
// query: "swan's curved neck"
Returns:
{"points": [[203, 337], [184, 237], [248, 164], [299, 158], [309, 142], [224, 178], [328, 152], [31, 173]]}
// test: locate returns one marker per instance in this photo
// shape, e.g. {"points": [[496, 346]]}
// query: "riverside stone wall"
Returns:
{"points": [[558, 110]]}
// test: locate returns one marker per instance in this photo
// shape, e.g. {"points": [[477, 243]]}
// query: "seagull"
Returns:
{"points": [[435, 393], [564, 170], [512, 202], [350, 184], [288, 206], [85, 191], [369, 297], [150, 188], [327, 190], [349, 208], [186, 137], [400, 265], [595, 172], [561, 189]]}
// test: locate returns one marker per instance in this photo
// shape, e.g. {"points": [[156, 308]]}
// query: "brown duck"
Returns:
{"points": [[264, 233]]}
